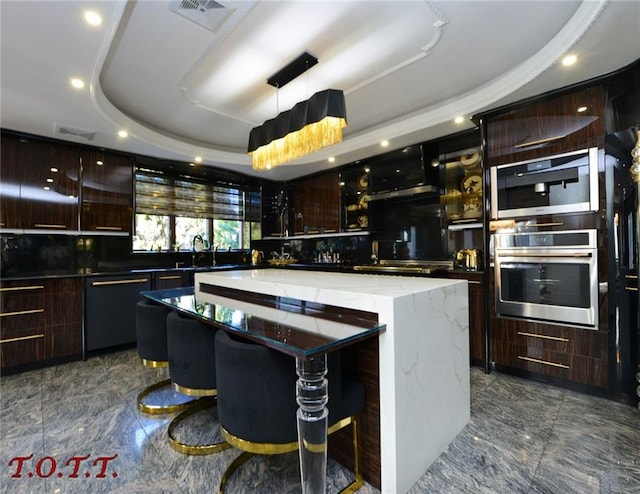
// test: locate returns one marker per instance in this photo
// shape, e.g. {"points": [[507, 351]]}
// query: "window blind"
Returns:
{"points": [[161, 195]]}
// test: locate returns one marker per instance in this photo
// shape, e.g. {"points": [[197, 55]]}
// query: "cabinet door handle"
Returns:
{"points": [[474, 282], [539, 141], [543, 336], [119, 282], [22, 338], [21, 312], [631, 288], [44, 225], [176, 277], [112, 228], [544, 362], [16, 288], [631, 276]]}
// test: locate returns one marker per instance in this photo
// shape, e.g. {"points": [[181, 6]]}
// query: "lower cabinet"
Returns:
{"points": [[477, 304], [567, 353], [41, 320], [110, 309], [165, 280]]}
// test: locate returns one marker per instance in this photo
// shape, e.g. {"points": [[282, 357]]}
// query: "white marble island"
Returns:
{"points": [[423, 355]]}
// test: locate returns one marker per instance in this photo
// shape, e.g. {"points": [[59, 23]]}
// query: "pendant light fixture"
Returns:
{"points": [[309, 126]]}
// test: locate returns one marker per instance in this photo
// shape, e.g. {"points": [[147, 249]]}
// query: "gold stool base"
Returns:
{"points": [[159, 409], [194, 449]]}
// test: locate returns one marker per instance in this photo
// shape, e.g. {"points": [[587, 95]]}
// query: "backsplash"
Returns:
{"points": [[41, 255]]}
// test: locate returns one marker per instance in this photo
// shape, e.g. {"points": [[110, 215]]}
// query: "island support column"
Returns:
{"points": [[311, 395]]}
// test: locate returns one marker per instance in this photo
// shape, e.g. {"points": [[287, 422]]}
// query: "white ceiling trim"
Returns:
{"points": [[442, 113], [481, 98]]}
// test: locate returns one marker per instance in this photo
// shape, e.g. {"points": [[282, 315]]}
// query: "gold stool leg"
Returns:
{"points": [[359, 481], [159, 409], [194, 449], [233, 466]]}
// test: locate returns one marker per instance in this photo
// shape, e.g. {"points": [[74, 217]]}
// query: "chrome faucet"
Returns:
{"points": [[193, 247]]}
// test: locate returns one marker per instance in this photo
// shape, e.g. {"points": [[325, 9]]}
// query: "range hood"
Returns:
{"points": [[411, 191]]}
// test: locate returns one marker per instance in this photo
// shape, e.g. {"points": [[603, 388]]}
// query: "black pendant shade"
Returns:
{"points": [[328, 104]]}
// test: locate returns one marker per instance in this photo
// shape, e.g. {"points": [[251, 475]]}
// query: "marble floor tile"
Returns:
{"points": [[523, 437]]}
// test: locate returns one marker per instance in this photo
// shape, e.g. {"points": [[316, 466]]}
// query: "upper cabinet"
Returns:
{"points": [[316, 204], [555, 125], [107, 192], [354, 188], [14, 160], [44, 178], [462, 199]]}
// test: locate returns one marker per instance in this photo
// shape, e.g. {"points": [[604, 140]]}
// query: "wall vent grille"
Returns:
{"points": [[65, 130]]}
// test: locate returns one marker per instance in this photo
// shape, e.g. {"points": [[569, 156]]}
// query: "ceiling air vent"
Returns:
{"points": [[206, 13], [65, 130]]}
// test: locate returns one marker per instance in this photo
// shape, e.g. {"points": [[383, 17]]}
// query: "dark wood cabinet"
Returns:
{"points": [[477, 304], [552, 126], [14, 160], [165, 280], [316, 204], [48, 187], [567, 353], [107, 192], [110, 309], [41, 321]]}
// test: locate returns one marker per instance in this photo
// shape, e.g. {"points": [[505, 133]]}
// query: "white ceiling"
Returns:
{"points": [[183, 90]]}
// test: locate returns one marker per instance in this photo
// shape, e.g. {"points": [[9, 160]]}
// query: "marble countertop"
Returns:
{"points": [[338, 289]]}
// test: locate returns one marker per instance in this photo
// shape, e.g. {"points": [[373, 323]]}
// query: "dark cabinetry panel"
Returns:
{"points": [[572, 354], [111, 309], [166, 280], [107, 192], [555, 125], [41, 320], [477, 304], [316, 203], [14, 159], [48, 186]]}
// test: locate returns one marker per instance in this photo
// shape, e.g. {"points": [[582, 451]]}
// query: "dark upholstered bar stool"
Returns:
{"points": [[257, 403], [192, 367], [151, 332]]}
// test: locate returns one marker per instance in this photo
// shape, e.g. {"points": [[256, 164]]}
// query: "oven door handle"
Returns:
{"points": [[507, 253]]}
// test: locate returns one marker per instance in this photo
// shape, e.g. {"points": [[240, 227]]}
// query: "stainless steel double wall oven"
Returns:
{"points": [[549, 276]]}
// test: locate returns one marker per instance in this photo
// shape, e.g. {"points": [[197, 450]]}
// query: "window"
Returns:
{"points": [[171, 211]]}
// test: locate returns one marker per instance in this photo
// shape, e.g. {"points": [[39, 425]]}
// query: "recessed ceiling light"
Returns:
{"points": [[99, 163], [92, 18], [458, 120], [384, 143], [192, 164], [123, 134], [46, 188], [581, 109], [198, 159], [53, 169], [331, 159], [50, 180], [569, 60], [77, 83]]}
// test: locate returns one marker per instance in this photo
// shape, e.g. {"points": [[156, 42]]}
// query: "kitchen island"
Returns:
{"points": [[423, 357]]}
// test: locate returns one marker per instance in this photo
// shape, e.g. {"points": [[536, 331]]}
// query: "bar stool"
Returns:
{"points": [[151, 333], [257, 403], [192, 367]]}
